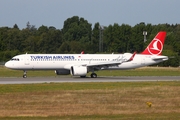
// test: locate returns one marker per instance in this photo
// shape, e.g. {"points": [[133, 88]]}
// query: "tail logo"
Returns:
{"points": [[156, 47]]}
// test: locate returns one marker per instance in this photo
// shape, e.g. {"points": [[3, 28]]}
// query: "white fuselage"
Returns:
{"points": [[65, 61]]}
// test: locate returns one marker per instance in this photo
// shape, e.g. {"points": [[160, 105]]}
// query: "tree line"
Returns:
{"points": [[78, 34]]}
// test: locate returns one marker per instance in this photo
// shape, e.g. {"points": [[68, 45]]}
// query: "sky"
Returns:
{"points": [[106, 12]]}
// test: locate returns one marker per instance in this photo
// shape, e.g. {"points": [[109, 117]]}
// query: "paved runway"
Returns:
{"points": [[31, 80]]}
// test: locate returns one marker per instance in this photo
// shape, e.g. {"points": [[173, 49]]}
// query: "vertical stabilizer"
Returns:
{"points": [[156, 45]]}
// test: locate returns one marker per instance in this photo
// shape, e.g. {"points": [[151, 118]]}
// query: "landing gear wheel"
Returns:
{"points": [[24, 75], [93, 75]]}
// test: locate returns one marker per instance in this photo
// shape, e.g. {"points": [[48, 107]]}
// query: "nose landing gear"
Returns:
{"points": [[24, 75]]}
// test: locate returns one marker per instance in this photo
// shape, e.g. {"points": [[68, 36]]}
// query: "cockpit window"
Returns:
{"points": [[15, 59]]}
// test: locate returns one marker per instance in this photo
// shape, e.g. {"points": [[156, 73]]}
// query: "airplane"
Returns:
{"points": [[81, 64], [64, 64]]}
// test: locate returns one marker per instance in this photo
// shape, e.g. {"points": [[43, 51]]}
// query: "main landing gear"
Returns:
{"points": [[24, 75], [93, 75]]}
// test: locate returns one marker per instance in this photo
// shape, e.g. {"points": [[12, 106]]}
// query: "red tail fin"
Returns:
{"points": [[156, 45], [82, 52]]}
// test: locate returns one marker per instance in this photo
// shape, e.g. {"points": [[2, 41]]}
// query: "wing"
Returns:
{"points": [[126, 58]]}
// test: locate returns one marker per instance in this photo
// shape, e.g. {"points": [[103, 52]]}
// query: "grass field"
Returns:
{"points": [[91, 101], [145, 71]]}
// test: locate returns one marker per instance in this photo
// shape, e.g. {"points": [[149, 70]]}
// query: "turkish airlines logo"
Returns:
{"points": [[155, 48]]}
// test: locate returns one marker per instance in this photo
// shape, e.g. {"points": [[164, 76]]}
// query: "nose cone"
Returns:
{"points": [[8, 65]]}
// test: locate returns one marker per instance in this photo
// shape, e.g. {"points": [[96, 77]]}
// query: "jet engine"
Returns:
{"points": [[79, 70], [62, 72]]}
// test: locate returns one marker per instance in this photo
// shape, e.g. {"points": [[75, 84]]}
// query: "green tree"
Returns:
{"points": [[4, 42], [78, 29], [136, 42], [95, 39], [64, 48], [16, 26]]}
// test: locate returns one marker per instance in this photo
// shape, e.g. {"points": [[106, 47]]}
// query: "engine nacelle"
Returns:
{"points": [[79, 70], [62, 72]]}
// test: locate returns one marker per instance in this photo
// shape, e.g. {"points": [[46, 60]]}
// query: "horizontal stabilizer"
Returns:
{"points": [[160, 58]]}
